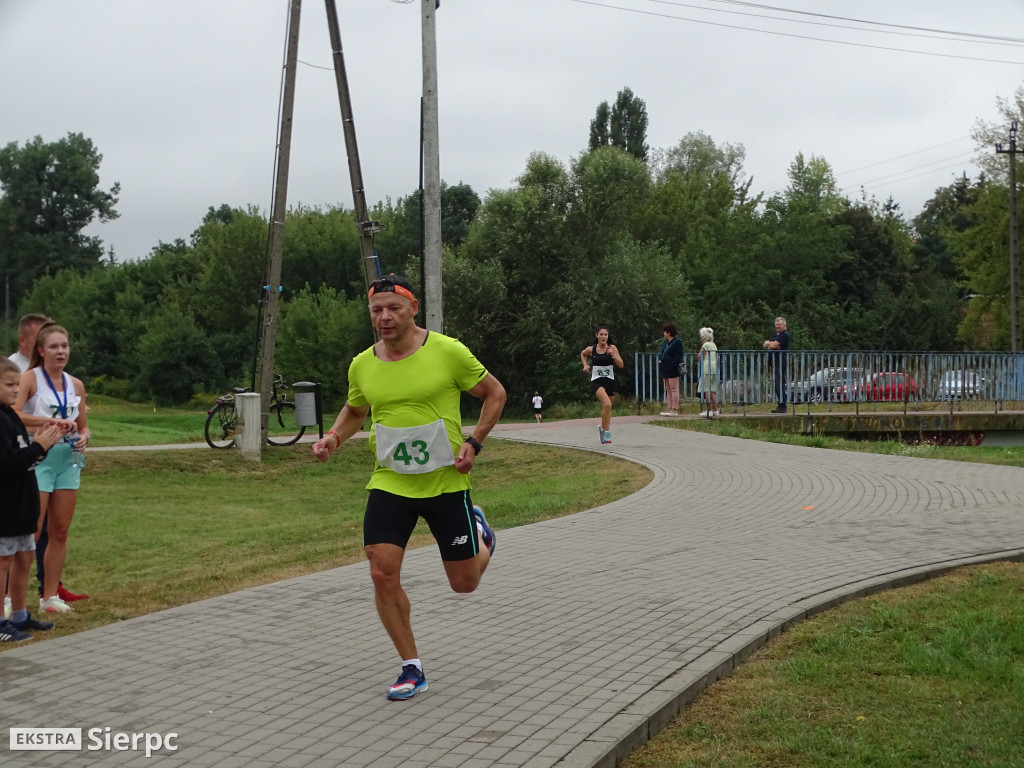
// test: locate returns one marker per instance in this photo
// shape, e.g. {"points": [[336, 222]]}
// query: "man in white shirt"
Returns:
{"points": [[28, 329]]}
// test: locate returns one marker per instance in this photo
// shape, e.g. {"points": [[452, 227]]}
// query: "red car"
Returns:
{"points": [[882, 386]]}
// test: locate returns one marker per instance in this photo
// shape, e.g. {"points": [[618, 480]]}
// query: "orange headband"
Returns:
{"points": [[391, 287]]}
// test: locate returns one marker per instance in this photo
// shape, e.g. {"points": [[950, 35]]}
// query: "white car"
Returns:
{"points": [[955, 385]]}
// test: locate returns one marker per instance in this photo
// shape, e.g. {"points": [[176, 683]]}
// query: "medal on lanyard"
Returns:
{"points": [[63, 380]]}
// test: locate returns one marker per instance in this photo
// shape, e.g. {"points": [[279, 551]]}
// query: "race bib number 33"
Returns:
{"points": [[414, 450]]}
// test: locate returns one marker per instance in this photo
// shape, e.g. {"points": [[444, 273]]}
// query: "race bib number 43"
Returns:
{"points": [[414, 450]]}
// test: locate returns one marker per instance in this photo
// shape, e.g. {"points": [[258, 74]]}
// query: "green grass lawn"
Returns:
{"points": [[114, 422], [930, 675]]}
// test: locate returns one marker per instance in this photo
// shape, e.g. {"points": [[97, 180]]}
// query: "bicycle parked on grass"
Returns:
{"points": [[282, 428]]}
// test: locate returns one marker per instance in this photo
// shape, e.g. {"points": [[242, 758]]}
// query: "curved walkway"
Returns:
{"points": [[587, 635]]}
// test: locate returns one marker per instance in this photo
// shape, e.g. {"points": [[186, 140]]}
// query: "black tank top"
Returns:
{"points": [[604, 358]]}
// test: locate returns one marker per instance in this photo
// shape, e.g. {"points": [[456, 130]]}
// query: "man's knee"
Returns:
{"points": [[385, 565]]}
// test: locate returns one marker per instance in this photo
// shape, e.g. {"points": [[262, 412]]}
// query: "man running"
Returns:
{"points": [[411, 381]]}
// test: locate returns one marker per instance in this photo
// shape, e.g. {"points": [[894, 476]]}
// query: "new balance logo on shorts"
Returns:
{"points": [[460, 540]]}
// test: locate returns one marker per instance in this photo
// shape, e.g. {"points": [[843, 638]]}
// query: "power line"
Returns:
{"points": [[315, 66], [865, 21], [876, 183], [958, 36], [799, 37], [908, 154]]}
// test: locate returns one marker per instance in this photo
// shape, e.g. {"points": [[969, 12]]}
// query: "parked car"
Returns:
{"points": [[824, 385], [878, 387], [954, 385]]}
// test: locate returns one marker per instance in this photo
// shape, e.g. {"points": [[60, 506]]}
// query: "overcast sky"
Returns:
{"points": [[181, 96]]}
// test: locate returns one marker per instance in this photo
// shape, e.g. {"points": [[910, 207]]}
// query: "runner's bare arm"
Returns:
{"points": [[489, 390], [583, 358], [350, 420]]}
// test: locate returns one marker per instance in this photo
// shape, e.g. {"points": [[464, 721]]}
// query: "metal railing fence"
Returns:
{"points": [[747, 377]]}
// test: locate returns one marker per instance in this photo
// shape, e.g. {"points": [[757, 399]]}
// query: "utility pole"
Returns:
{"points": [[367, 228], [275, 246], [1015, 340], [434, 312]]}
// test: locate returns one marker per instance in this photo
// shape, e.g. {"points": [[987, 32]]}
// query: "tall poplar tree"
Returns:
{"points": [[623, 125]]}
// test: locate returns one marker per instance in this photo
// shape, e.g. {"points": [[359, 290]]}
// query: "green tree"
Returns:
{"points": [[987, 134], [50, 195], [176, 358], [945, 213], [983, 257], [623, 125], [318, 335], [547, 261], [600, 127]]}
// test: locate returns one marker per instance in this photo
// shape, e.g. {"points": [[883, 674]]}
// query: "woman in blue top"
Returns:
{"points": [[669, 359], [603, 359]]}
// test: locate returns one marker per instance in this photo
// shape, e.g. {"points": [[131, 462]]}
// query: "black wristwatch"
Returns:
{"points": [[477, 447]]}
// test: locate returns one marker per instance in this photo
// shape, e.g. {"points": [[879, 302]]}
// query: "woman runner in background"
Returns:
{"points": [[604, 358]]}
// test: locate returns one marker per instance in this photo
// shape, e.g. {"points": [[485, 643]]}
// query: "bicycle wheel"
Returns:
{"points": [[220, 425], [281, 427]]}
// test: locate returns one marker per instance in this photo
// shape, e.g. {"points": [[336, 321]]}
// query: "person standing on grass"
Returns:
{"points": [[49, 395], [19, 509], [779, 344], [28, 329], [669, 359], [538, 407], [411, 382], [599, 360]]}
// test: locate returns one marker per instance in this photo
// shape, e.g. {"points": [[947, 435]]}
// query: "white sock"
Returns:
{"points": [[415, 662]]}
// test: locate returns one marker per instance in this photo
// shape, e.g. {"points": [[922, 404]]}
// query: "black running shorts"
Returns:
{"points": [[607, 384], [390, 519]]}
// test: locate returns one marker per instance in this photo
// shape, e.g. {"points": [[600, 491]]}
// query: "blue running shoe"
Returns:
{"points": [[606, 436], [11, 634], [30, 623], [489, 539], [408, 684]]}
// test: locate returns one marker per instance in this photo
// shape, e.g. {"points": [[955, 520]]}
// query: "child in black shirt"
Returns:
{"points": [[19, 503]]}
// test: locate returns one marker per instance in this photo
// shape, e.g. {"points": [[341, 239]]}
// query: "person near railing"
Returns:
{"points": [[708, 363], [669, 360], [779, 344]]}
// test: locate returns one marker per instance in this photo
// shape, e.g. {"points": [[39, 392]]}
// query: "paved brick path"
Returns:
{"points": [[588, 632]]}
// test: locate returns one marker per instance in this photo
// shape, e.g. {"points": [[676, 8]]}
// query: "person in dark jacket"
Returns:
{"points": [[669, 358], [19, 502], [779, 346]]}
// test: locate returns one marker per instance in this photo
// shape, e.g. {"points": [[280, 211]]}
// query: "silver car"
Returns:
{"points": [[824, 385], [957, 385]]}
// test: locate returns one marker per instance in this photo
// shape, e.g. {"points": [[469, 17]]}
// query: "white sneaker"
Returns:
{"points": [[667, 413], [7, 608], [53, 605]]}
